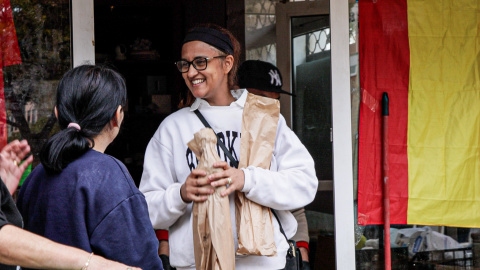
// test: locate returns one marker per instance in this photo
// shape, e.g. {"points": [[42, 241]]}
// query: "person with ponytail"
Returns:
{"points": [[78, 195], [25, 249], [170, 179]]}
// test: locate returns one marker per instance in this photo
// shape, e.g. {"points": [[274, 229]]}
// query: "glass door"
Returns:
{"points": [[310, 114], [312, 122], [320, 116]]}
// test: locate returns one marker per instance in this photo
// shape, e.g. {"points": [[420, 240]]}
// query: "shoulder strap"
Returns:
{"points": [[233, 161], [204, 121], [292, 251], [279, 223]]}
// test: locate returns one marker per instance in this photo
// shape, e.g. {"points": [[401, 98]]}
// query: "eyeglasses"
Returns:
{"points": [[198, 63]]}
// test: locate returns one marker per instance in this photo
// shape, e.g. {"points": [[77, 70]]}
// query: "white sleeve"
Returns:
{"points": [[291, 183], [160, 186]]}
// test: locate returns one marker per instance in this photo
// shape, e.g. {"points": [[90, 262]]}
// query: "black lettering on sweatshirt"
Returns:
{"points": [[230, 136], [191, 158]]}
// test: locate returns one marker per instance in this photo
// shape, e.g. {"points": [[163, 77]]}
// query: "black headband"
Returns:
{"points": [[210, 36]]}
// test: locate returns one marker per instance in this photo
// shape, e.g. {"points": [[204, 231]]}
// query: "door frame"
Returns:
{"points": [[341, 110], [83, 32]]}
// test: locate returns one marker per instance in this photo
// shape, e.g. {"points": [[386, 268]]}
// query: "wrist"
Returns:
{"points": [[87, 263], [163, 248], [303, 244], [183, 193], [100, 263]]}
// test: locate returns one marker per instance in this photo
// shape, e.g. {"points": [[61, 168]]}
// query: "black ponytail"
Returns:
{"points": [[87, 96]]}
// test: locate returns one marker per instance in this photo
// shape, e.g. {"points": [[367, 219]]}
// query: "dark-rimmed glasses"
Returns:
{"points": [[198, 63]]}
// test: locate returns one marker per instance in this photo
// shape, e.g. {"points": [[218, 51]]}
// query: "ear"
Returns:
{"points": [[118, 117], [228, 63], [56, 112]]}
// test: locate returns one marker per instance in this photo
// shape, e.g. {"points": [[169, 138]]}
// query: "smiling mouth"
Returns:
{"points": [[198, 81]]}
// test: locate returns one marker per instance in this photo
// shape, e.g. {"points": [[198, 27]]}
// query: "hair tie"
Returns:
{"points": [[74, 125]]}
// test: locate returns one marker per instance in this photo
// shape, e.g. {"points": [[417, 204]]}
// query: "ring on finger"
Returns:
{"points": [[15, 162], [229, 180]]}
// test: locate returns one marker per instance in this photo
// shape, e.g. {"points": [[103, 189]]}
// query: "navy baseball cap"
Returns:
{"points": [[260, 75]]}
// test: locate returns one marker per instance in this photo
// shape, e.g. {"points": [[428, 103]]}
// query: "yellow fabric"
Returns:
{"points": [[444, 113]]}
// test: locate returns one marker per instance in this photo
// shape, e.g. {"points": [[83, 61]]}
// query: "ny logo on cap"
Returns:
{"points": [[274, 76]]}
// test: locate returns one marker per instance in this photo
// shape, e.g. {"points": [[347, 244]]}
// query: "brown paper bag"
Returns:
{"points": [[212, 226], [259, 129]]}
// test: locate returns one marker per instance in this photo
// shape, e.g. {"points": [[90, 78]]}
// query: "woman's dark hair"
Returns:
{"points": [[232, 75], [89, 96]]}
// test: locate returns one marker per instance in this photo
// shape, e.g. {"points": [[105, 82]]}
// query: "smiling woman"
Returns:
{"points": [[201, 47], [171, 181], [210, 83]]}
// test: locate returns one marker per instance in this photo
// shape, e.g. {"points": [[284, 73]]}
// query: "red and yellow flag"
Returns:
{"points": [[426, 55], [9, 55]]}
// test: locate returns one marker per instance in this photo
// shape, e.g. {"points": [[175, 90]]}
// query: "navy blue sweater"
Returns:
{"points": [[92, 204]]}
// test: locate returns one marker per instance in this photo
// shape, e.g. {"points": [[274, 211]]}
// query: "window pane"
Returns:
{"points": [[43, 34], [260, 23]]}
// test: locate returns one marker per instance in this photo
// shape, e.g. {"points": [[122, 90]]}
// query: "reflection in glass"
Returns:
{"points": [[311, 84], [260, 23], [43, 33]]}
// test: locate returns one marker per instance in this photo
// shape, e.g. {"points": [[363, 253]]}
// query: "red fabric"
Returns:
{"points": [[384, 58], [162, 234], [10, 55], [303, 244]]}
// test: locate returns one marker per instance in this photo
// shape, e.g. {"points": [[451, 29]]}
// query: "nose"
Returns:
{"points": [[192, 71]]}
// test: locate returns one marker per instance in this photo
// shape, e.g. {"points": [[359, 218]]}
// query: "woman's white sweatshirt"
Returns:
{"points": [[289, 184]]}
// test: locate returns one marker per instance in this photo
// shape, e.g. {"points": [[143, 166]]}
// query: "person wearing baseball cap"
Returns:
{"points": [[261, 78], [264, 79]]}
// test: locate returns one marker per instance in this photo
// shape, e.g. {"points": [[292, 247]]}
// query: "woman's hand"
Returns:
{"points": [[10, 168], [231, 177], [196, 187]]}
